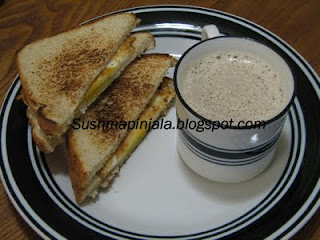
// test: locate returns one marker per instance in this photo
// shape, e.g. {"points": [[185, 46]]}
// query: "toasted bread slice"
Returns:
{"points": [[157, 106], [131, 48], [88, 149], [56, 72]]}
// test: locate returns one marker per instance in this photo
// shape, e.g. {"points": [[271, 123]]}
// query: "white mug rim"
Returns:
{"points": [[271, 120]]}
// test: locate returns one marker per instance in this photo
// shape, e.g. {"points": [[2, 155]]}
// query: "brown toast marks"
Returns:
{"points": [[124, 100], [133, 89], [56, 72]]}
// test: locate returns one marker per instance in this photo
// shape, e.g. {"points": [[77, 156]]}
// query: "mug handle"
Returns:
{"points": [[210, 31]]}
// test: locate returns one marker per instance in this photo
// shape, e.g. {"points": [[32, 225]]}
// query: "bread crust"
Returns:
{"points": [[77, 172]]}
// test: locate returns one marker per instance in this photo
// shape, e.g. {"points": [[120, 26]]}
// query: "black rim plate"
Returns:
{"points": [[280, 215]]}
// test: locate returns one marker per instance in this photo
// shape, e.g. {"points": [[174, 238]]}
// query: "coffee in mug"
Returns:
{"points": [[234, 85]]}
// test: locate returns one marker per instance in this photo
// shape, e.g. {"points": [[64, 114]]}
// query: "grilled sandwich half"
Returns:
{"points": [[62, 75], [156, 108], [91, 151]]}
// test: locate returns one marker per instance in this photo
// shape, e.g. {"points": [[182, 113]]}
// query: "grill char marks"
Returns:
{"points": [[67, 69]]}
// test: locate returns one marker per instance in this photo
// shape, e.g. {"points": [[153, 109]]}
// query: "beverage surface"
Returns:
{"points": [[233, 85]]}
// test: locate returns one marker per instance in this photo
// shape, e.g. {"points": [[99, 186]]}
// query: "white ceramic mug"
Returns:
{"points": [[232, 154]]}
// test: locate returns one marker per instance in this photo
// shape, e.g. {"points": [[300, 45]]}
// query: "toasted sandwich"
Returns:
{"points": [[132, 47], [62, 75], [157, 107], [94, 155]]}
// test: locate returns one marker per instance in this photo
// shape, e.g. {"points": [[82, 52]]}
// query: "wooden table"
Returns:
{"points": [[297, 22]]}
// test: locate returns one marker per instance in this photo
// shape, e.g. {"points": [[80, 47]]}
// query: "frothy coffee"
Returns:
{"points": [[233, 85]]}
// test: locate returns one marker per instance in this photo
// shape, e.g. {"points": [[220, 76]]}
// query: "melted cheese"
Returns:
{"points": [[101, 82], [125, 54]]}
